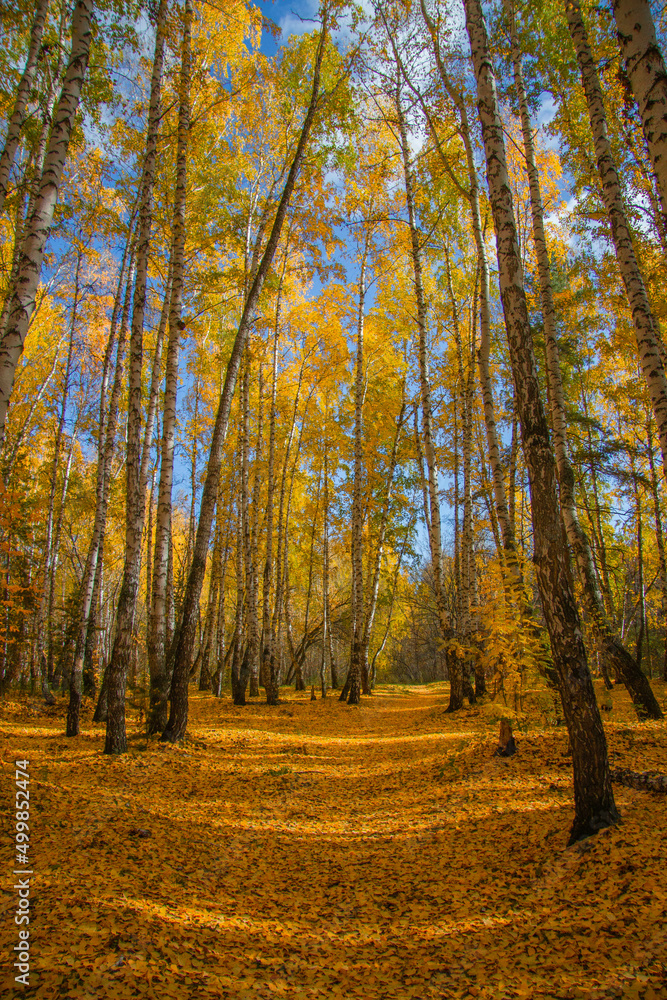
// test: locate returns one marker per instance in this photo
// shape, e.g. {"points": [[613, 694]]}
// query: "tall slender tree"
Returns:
{"points": [[594, 800]]}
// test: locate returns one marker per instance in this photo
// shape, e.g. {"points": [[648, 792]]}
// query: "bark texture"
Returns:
{"points": [[646, 330], [22, 304], [610, 644], [645, 68], [22, 97], [157, 628], [121, 656], [594, 800]]}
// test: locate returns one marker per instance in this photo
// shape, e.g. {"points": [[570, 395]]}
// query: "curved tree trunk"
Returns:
{"points": [[594, 800]]}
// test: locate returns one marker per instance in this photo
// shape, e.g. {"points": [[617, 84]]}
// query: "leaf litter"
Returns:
{"points": [[316, 849]]}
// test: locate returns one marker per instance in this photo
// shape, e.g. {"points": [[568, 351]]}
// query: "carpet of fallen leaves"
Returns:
{"points": [[317, 850]]}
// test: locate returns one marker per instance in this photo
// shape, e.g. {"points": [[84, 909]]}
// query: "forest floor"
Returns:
{"points": [[316, 850]]}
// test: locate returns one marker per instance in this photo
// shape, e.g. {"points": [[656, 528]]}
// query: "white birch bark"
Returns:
{"points": [[594, 800], [435, 534], [646, 330], [355, 679], [371, 605], [253, 624], [22, 97], [268, 666], [22, 303], [611, 646], [484, 350], [645, 68], [121, 656]]}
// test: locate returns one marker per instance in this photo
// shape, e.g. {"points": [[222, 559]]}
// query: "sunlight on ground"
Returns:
{"points": [[315, 850]]}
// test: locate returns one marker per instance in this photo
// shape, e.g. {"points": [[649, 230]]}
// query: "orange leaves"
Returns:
{"points": [[318, 851]]}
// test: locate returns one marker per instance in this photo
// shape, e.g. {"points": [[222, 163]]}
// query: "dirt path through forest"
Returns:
{"points": [[315, 850]]}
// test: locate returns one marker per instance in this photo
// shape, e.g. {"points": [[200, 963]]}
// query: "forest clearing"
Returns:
{"points": [[317, 849]]}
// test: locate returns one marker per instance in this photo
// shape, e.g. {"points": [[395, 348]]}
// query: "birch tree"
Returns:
{"points": [[22, 303], [185, 639], [594, 800], [612, 648]]}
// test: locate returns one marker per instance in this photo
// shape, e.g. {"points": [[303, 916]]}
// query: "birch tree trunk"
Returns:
{"points": [[22, 96], [594, 800], [34, 186], [238, 682], [46, 602], [660, 543], [645, 68], [484, 350], [22, 303], [282, 542], [611, 646], [252, 643], [268, 663], [108, 416], [434, 519], [464, 589], [135, 499], [371, 607], [178, 718], [101, 710], [253, 624], [157, 630], [56, 547], [355, 677], [646, 329]]}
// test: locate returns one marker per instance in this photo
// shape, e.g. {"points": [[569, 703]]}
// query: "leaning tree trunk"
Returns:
{"points": [[116, 741], [184, 641], [22, 97], [645, 68], [34, 185], [594, 800], [610, 644], [646, 330], [22, 303]]}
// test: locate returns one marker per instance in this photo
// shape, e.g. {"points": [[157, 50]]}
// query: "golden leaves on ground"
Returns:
{"points": [[321, 850]]}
